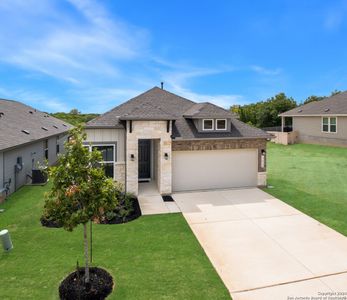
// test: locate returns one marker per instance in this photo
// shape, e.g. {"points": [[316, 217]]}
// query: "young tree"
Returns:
{"points": [[80, 191]]}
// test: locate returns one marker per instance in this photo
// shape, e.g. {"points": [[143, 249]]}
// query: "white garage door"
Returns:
{"points": [[214, 169]]}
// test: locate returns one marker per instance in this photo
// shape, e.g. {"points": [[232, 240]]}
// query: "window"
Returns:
{"points": [[329, 124], [45, 149], [207, 124], [57, 146], [221, 124], [108, 157]]}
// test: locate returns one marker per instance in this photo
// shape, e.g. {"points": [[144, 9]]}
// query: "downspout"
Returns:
{"points": [[126, 156], [3, 169]]}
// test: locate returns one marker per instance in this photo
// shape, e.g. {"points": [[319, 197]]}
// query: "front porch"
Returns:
{"points": [[151, 202], [148, 155]]}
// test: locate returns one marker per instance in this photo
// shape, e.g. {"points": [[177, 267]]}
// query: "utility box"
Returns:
{"points": [[6, 240], [38, 177]]}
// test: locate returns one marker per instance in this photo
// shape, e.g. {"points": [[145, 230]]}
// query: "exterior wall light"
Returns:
{"points": [[166, 156], [262, 160], [132, 157]]}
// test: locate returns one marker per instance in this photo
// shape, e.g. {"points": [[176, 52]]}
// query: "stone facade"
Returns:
{"points": [[222, 144], [156, 130], [119, 170]]}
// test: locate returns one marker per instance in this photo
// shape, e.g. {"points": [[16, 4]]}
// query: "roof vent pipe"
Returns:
{"points": [[162, 85]]}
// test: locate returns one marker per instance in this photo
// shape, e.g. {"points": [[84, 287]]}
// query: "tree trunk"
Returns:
{"points": [[86, 256]]}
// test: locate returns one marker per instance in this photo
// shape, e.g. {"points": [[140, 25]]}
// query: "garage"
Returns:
{"points": [[214, 169]]}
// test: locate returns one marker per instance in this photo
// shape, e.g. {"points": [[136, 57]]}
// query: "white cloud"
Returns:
{"points": [[57, 45], [103, 60], [100, 100], [265, 71], [178, 80], [222, 100], [35, 99]]}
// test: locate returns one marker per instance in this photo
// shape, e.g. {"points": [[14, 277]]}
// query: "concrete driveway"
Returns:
{"points": [[263, 248]]}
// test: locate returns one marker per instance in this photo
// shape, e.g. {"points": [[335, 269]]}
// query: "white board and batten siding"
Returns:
{"points": [[214, 169], [108, 136]]}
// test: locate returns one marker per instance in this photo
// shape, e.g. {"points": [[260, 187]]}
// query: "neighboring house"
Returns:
{"points": [[178, 144], [322, 122], [27, 136]]}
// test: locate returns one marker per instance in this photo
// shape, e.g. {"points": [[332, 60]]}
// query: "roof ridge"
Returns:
{"points": [[136, 97]]}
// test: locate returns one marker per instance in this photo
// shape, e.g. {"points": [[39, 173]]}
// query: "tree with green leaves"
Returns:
{"points": [[81, 191], [74, 111], [335, 92], [265, 113], [313, 98]]}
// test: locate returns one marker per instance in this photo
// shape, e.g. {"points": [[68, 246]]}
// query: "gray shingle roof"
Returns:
{"points": [[334, 105], [207, 110], [147, 111], [17, 118], [159, 104]]}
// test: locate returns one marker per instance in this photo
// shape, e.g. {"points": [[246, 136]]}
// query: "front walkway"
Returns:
{"points": [[263, 248], [151, 202]]}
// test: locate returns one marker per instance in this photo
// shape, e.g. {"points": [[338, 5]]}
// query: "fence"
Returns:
{"points": [[284, 138]]}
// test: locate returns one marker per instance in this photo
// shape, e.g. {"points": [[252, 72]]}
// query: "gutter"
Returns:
{"points": [[33, 141], [223, 138], [315, 115]]}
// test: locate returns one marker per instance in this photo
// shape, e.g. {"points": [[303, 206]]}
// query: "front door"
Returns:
{"points": [[144, 159]]}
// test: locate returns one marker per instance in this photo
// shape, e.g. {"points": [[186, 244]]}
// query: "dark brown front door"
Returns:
{"points": [[144, 159]]}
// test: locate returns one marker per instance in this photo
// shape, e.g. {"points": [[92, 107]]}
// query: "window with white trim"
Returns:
{"points": [[221, 124], [329, 124], [207, 124], [108, 153]]}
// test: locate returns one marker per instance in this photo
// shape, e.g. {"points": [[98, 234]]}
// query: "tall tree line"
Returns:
{"points": [[265, 113]]}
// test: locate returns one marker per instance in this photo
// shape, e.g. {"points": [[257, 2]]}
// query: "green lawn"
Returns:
{"points": [[153, 257], [311, 178]]}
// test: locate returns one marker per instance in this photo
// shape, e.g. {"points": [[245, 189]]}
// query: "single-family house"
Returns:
{"points": [[27, 137], [178, 144], [321, 122]]}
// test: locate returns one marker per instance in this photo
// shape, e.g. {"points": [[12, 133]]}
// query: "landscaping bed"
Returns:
{"points": [[127, 211], [130, 212], [47, 222], [74, 288]]}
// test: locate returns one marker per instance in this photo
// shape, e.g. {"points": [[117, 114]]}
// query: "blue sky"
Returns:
{"points": [[92, 55]]}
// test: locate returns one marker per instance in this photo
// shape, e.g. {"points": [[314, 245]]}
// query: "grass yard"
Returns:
{"points": [[311, 178], [153, 257]]}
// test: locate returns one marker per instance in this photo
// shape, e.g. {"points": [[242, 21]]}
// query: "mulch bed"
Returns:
{"points": [[136, 213], [50, 223], [74, 288]]}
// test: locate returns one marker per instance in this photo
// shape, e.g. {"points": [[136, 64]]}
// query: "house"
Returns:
{"points": [[178, 144], [27, 136], [321, 122]]}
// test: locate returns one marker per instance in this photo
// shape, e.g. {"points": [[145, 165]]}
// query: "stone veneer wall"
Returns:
{"points": [[148, 130], [120, 173], [221, 144]]}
